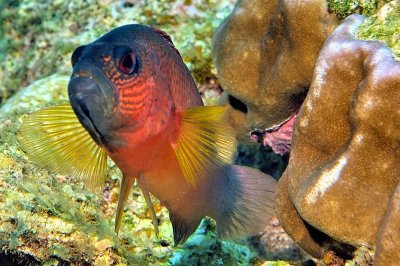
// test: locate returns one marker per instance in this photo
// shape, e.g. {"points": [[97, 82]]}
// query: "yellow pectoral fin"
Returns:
{"points": [[205, 142], [55, 138]]}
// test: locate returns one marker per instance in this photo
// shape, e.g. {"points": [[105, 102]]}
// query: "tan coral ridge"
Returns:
{"points": [[344, 164], [265, 53]]}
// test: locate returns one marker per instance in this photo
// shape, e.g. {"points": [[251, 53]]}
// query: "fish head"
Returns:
{"points": [[120, 84]]}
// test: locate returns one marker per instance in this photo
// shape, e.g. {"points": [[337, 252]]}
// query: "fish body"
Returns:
{"points": [[136, 98]]}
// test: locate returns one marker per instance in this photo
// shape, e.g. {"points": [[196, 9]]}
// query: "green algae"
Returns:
{"points": [[46, 222], [384, 26], [382, 22], [344, 8], [276, 263]]}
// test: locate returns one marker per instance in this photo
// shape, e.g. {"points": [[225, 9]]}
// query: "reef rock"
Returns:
{"points": [[344, 165], [265, 53], [388, 243]]}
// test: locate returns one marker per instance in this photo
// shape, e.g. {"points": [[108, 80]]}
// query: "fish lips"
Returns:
{"points": [[91, 102]]}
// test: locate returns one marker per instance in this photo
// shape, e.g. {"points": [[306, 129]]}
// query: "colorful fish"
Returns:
{"points": [[139, 105]]}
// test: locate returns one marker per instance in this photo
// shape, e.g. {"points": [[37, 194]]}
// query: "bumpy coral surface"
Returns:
{"points": [[332, 193], [344, 164], [265, 53], [388, 242]]}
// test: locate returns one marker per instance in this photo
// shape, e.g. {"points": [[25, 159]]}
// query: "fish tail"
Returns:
{"points": [[244, 201]]}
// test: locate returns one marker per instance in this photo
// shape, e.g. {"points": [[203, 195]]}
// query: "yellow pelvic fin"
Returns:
{"points": [[146, 195], [126, 187], [54, 138], [205, 142]]}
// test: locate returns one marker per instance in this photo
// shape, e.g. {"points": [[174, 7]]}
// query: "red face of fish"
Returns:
{"points": [[126, 83]]}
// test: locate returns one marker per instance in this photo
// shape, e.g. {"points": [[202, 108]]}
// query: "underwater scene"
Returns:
{"points": [[200, 132]]}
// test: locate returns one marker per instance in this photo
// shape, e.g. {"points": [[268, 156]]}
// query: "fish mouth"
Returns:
{"points": [[87, 101]]}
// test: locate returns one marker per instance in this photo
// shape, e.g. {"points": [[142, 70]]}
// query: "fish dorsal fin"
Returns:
{"points": [[54, 138], [167, 38], [205, 142]]}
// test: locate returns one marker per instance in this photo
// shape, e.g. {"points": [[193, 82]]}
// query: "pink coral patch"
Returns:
{"points": [[279, 137]]}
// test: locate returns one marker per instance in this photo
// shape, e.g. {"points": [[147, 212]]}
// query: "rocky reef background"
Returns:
{"points": [[48, 219]]}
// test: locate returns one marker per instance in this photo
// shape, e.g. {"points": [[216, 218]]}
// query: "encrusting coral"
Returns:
{"points": [[265, 53], [344, 164]]}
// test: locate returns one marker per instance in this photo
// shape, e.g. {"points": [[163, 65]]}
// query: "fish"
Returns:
{"points": [[133, 99]]}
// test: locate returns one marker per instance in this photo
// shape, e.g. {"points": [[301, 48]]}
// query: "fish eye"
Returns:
{"points": [[126, 61], [77, 54]]}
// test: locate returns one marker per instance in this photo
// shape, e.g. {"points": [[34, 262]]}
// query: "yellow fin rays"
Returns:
{"points": [[205, 142], [55, 138]]}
